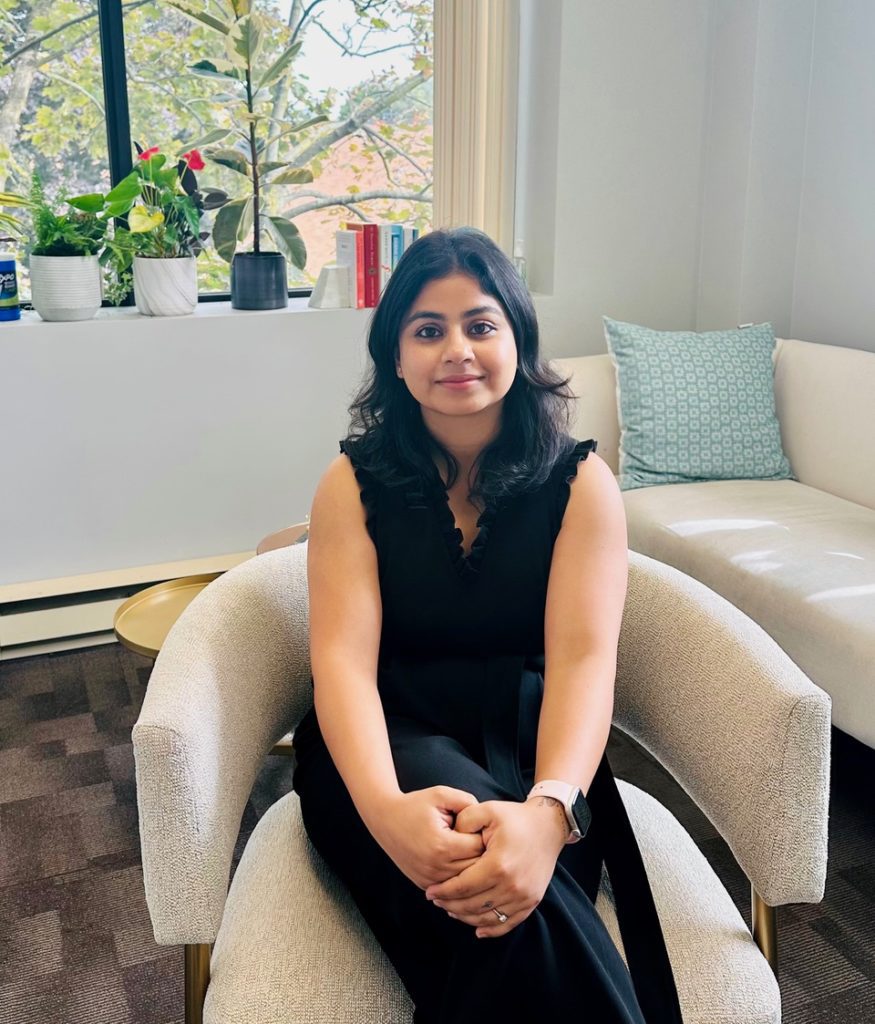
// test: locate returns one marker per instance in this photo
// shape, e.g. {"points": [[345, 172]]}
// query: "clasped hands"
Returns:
{"points": [[470, 857]]}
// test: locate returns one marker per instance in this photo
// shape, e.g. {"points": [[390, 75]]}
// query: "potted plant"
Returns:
{"points": [[159, 246], [64, 268], [259, 279]]}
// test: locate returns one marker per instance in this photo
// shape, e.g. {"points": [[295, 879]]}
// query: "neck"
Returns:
{"points": [[464, 437]]}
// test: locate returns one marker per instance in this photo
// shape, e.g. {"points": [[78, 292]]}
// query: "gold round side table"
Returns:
{"points": [[143, 621]]}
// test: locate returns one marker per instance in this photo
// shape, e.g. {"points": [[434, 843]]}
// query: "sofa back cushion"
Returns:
{"points": [[594, 382], [825, 399]]}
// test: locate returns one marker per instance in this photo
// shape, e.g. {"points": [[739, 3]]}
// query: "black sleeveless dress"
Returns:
{"points": [[461, 679]]}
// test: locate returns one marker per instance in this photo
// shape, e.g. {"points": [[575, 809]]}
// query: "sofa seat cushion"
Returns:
{"points": [[293, 946], [798, 561]]}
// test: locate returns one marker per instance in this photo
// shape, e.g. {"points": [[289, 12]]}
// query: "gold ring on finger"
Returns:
{"points": [[501, 917]]}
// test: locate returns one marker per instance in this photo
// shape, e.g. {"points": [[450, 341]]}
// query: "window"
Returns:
{"points": [[363, 65]]}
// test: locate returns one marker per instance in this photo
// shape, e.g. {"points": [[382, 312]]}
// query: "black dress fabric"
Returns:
{"points": [[461, 678]]}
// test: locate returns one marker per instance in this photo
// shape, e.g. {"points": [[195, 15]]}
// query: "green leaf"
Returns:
{"points": [[223, 69], [10, 199], [191, 11], [288, 240], [308, 124], [213, 198], [293, 176], [216, 135], [244, 41], [232, 158], [246, 219], [291, 129], [272, 165], [225, 228], [91, 202], [279, 66], [116, 209], [126, 191]]}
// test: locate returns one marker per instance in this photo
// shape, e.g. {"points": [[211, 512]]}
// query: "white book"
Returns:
{"points": [[345, 242], [385, 255], [408, 237]]}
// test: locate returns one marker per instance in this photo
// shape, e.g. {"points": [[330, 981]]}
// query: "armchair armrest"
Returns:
{"points": [[231, 679], [745, 732]]}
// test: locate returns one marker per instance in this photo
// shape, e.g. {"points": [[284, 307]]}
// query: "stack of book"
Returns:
{"points": [[370, 251]]}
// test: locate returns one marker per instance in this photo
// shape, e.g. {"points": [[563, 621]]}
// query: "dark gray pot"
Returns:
{"points": [[259, 280]]}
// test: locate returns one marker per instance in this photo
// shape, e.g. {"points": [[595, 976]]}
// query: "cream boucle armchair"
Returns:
{"points": [[699, 684]]}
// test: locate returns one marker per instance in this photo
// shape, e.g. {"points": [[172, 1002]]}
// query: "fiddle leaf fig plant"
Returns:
{"points": [[243, 35]]}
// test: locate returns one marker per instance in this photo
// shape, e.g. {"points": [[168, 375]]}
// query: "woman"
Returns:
{"points": [[467, 569]]}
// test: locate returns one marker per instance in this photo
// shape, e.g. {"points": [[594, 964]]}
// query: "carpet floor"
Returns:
{"points": [[75, 939]]}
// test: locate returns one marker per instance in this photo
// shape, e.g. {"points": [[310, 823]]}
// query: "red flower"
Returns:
{"points": [[147, 154], [195, 160]]}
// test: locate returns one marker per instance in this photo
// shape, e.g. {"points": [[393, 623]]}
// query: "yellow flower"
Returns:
{"points": [[140, 220]]}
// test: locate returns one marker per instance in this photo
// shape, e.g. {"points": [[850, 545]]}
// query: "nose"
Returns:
{"points": [[457, 346]]}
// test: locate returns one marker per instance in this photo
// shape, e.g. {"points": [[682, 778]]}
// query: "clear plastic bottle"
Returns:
{"points": [[519, 261], [9, 307]]}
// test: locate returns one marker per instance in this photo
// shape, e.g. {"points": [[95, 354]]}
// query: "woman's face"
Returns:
{"points": [[453, 330]]}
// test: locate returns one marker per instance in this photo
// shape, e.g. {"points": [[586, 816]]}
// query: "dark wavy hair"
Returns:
{"points": [[387, 432]]}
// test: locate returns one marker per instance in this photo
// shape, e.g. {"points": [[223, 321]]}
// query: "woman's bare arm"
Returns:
{"points": [[345, 623], [415, 829], [585, 599]]}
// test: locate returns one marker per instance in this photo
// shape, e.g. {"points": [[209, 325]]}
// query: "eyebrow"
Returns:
{"points": [[426, 315]]}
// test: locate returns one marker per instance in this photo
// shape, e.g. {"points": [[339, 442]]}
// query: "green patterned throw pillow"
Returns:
{"points": [[696, 406]]}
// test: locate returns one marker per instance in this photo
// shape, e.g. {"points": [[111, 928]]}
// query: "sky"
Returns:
{"points": [[324, 62]]}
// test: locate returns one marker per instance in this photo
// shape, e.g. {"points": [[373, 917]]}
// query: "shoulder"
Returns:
{"points": [[338, 478], [341, 494], [594, 493]]}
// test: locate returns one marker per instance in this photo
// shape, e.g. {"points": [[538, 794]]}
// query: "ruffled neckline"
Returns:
{"points": [[431, 492], [433, 488]]}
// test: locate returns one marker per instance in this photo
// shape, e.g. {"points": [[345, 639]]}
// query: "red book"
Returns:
{"points": [[369, 265]]}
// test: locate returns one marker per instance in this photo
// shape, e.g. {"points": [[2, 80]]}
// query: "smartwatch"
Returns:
{"points": [[574, 804]]}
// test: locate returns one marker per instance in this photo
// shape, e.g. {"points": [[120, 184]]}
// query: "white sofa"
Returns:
{"points": [[797, 556]]}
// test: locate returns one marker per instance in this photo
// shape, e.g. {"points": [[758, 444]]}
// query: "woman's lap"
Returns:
{"points": [[542, 967]]}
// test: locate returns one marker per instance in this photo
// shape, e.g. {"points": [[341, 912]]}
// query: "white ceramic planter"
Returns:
{"points": [[65, 287], [165, 287]]}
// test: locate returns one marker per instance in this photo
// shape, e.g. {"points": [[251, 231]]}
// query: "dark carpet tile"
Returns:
{"points": [[76, 942]]}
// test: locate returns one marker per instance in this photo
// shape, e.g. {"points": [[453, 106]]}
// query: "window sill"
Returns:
{"points": [[205, 310]]}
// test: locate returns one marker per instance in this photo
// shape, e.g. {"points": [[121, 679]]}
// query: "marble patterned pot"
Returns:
{"points": [[165, 287], [65, 287]]}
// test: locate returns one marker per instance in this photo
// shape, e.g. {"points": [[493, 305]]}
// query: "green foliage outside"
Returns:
{"points": [[52, 116]]}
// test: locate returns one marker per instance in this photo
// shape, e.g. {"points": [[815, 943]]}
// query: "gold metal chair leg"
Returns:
{"points": [[765, 929], [197, 977]]}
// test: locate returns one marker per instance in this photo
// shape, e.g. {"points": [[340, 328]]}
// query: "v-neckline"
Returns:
{"points": [[467, 565]]}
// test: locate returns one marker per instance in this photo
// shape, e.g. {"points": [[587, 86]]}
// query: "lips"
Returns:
{"points": [[458, 380]]}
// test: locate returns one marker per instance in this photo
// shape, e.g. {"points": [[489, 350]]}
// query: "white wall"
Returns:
{"points": [[834, 294], [130, 441], [710, 163], [622, 182]]}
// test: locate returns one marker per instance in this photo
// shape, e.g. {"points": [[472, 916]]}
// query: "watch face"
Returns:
{"points": [[582, 813]]}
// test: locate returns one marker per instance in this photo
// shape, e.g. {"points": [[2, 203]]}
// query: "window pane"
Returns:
{"points": [[369, 75], [51, 100]]}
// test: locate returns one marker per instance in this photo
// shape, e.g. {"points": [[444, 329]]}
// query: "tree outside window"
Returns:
{"points": [[364, 65]]}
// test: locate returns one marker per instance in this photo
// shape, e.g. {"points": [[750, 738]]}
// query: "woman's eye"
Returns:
{"points": [[474, 328]]}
